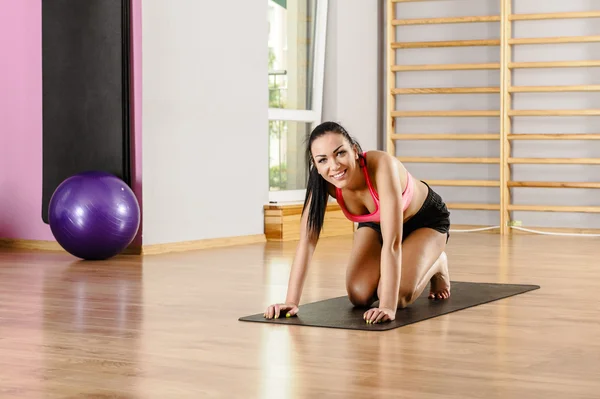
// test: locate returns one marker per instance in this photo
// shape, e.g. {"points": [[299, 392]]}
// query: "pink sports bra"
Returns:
{"points": [[374, 217]]}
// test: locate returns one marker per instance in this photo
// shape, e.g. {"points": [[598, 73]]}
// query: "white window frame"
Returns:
{"points": [[314, 115]]}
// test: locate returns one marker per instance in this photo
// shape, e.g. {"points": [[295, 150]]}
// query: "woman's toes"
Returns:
{"points": [[444, 294]]}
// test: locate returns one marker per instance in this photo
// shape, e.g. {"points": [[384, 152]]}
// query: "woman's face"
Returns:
{"points": [[335, 158]]}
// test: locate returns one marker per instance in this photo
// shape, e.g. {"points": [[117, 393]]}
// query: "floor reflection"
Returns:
{"points": [[92, 322]]}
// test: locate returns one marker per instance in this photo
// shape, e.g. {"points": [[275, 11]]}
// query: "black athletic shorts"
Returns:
{"points": [[433, 214]]}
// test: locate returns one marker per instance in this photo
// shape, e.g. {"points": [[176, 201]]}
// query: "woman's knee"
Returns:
{"points": [[360, 295]]}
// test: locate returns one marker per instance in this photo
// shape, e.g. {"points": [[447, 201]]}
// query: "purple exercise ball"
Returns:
{"points": [[94, 215]]}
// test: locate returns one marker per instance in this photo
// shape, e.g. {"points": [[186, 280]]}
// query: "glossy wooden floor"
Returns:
{"points": [[166, 327]]}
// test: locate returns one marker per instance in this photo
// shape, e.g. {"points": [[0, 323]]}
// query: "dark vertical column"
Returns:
{"points": [[85, 69]]}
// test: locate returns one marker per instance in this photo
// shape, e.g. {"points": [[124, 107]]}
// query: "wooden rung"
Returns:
{"points": [[554, 64], [554, 40], [554, 112], [554, 208], [447, 43], [447, 136], [557, 136], [444, 67], [464, 183], [448, 160], [553, 184], [447, 90], [553, 89], [555, 161], [479, 207], [443, 113], [554, 15], [450, 20]]}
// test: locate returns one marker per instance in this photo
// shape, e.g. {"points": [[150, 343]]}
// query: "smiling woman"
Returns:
{"points": [[402, 232]]}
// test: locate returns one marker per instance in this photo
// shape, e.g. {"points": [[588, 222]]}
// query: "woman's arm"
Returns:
{"points": [[304, 252], [389, 187]]}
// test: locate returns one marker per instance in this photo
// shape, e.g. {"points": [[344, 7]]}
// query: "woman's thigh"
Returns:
{"points": [[362, 276]]}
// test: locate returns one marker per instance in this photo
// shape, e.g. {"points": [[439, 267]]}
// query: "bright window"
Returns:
{"points": [[297, 30]]}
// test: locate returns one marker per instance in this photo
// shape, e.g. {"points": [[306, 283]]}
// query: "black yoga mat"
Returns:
{"points": [[340, 313], [85, 72]]}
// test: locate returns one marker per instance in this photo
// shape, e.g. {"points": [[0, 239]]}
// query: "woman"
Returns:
{"points": [[402, 226]]}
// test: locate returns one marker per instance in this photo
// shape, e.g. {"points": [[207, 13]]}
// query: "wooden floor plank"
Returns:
{"points": [[166, 326]]}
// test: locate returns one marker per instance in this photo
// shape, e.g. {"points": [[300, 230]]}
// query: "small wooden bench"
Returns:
{"points": [[282, 221]]}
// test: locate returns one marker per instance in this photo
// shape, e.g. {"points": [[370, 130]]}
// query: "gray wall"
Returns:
{"points": [[204, 119], [582, 149]]}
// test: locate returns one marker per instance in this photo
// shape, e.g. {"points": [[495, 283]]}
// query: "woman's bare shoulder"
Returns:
{"points": [[378, 158]]}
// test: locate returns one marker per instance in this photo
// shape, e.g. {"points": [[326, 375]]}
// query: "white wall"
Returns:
{"points": [[581, 149], [351, 69], [205, 171]]}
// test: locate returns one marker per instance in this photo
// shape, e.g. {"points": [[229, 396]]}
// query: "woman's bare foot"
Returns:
{"points": [[440, 282]]}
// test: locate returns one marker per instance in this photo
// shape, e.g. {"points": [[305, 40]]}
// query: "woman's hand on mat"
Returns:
{"points": [[276, 310], [379, 315]]}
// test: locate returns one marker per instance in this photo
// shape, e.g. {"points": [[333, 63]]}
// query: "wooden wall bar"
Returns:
{"points": [[506, 113]]}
